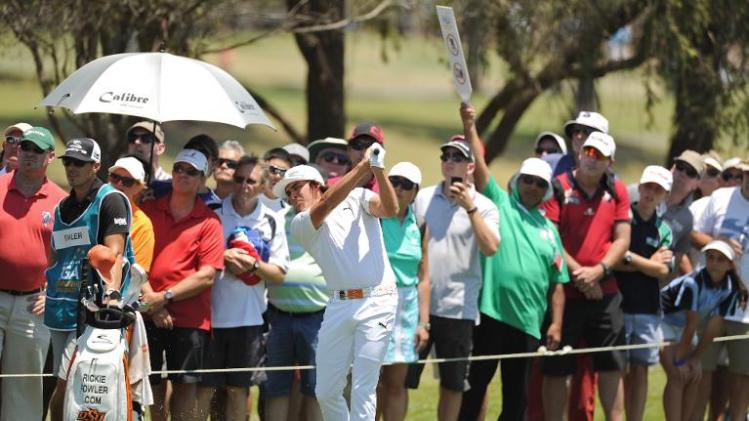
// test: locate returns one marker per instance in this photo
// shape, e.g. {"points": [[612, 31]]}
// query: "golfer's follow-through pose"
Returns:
{"points": [[339, 227]]}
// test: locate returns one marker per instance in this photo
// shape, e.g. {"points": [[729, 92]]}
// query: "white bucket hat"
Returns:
{"points": [[556, 137], [658, 175], [294, 174], [589, 119], [536, 167]]}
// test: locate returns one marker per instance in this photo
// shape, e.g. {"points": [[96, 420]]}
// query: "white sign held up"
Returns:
{"points": [[455, 56]]}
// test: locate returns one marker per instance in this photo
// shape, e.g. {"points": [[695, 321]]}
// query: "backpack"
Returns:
{"points": [[98, 386]]}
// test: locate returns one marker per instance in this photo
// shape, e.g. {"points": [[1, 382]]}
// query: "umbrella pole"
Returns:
{"points": [[150, 157]]}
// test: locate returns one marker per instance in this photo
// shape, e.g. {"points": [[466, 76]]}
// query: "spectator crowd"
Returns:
{"points": [[326, 255]]}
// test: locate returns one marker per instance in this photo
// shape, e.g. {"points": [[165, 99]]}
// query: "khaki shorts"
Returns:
{"points": [[738, 351]]}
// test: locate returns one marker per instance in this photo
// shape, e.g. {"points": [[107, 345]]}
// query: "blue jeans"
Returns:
{"points": [[292, 340]]}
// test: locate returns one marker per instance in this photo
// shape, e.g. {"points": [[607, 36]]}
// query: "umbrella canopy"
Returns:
{"points": [[158, 86]]}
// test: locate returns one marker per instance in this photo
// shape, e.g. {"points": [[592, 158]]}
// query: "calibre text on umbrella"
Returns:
{"points": [[123, 97]]}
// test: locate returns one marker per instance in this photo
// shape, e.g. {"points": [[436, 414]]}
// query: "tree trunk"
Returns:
{"points": [[510, 119], [323, 52]]}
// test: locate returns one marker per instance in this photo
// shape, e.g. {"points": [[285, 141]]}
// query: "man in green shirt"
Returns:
{"points": [[517, 281]]}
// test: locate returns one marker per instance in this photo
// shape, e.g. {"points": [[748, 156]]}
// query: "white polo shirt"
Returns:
{"points": [[454, 266], [348, 246], [234, 303]]}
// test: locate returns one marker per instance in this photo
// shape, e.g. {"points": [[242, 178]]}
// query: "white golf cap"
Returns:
{"points": [[406, 170], [732, 163], [720, 246], [194, 158], [294, 174], [589, 119], [297, 149], [658, 175], [556, 137], [602, 142], [536, 167], [22, 127], [132, 166]]}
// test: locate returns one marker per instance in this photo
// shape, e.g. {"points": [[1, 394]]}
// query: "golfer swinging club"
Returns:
{"points": [[339, 228]]}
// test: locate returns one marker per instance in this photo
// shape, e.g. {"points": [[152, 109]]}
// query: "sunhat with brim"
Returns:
{"points": [[658, 175], [720, 246], [21, 127], [589, 119], [693, 159], [329, 142], [132, 166], [734, 162], [602, 142], [407, 170], [538, 168], [294, 174], [713, 162], [556, 137], [297, 149]]}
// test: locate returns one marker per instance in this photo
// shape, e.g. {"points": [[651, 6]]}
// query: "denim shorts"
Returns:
{"points": [[292, 340], [643, 329]]}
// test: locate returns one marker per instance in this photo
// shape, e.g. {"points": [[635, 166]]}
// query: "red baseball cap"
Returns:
{"points": [[368, 129]]}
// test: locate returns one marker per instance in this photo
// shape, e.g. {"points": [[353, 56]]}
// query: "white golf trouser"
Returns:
{"points": [[353, 331], [24, 341]]}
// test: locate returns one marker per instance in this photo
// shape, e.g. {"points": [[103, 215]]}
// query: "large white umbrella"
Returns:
{"points": [[158, 86]]}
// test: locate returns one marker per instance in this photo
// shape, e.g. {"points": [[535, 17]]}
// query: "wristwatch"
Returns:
{"points": [[627, 258], [168, 295], [426, 326], [606, 270], [255, 266]]}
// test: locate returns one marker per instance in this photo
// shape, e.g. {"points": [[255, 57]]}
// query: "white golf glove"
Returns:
{"points": [[376, 155]]}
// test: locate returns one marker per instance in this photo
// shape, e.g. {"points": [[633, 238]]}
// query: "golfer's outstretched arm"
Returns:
{"points": [[386, 204], [337, 193]]}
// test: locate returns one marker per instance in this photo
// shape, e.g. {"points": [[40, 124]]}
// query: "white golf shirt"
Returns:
{"points": [[348, 246], [234, 303]]}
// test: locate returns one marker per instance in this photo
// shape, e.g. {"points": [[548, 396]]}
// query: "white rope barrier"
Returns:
{"points": [[542, 352]]}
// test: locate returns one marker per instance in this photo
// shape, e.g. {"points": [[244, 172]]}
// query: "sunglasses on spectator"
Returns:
{"points": [[533, 181], [583, 129], [686, 169], [729, 175], [125, 181], [12, 140], [145, 138], [276, 170], [230, 163], [401, 182], [192, 172], [66, 161], [30, 147], [333, 157], [241, 180], [712, 172], [541, 151], [594, 153], [361, 144], [454, 157]]}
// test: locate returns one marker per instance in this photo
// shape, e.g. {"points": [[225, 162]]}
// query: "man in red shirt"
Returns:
{"points": [[594, 226], [27, 216], [189, 251]]}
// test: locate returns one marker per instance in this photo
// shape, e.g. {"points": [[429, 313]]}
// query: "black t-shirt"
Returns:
{"points": [[113, 212], [640, 292]]}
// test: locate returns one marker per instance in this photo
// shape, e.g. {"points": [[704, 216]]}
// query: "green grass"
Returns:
{"points": [[412, 97]]}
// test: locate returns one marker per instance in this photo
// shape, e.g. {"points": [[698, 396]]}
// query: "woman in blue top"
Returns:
{"points": [[406, 246], [700, 298]]}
